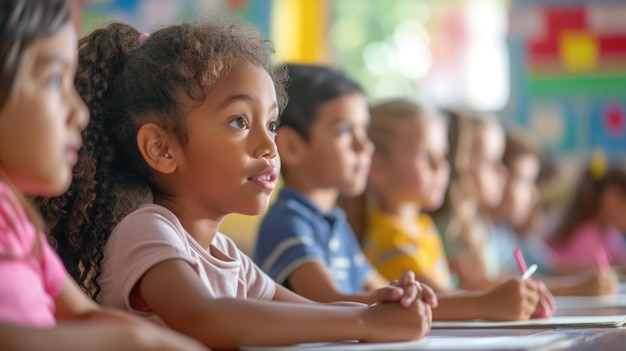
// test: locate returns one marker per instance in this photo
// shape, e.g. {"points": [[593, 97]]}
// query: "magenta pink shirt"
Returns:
{"points": [[580, 248], [28, 282]]}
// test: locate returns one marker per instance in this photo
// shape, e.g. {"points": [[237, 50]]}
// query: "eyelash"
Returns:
{"points": [[236, 123], [273, 126], [241, 123]]}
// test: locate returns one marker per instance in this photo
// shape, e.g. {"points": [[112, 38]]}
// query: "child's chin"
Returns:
{"points": [[353, 191], [254, 211], [49, 188]]}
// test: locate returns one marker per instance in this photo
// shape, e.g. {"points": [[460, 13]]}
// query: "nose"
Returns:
{"points": [[362, 144], [442, 165], [265, 145], [79, 113]]}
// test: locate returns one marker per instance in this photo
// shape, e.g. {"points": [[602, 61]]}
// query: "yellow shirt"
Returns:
{"points": [[392, 250]]}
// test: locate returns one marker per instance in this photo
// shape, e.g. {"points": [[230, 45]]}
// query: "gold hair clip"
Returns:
{"points": [[597, 164]]}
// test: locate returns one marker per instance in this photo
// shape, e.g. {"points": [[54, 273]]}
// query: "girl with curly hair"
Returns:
{"points": [[182, 134]]}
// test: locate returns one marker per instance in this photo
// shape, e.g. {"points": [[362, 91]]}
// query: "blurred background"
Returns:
{"points": [[554, 68]]}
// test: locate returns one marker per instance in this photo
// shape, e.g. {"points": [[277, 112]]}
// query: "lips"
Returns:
{"points": [[72, 151], [363, 169], [266, 178]]}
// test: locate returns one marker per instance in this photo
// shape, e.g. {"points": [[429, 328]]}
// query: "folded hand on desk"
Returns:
{"points": [[400, 311], [387, 322], [405, 290]]}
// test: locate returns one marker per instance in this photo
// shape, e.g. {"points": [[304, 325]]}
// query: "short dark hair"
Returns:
{"points": [[309, 87]]}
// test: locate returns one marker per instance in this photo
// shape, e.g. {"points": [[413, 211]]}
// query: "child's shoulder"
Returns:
{"points": [[291, 204], [585, 229], [147, 220], [9, 203], [426, 221], [150, 212]]}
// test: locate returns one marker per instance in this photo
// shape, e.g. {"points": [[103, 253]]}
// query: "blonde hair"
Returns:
{"points": [[387, 121], [464, 129]]}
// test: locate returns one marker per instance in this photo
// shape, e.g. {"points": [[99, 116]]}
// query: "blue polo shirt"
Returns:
{"points": [[295, 231]]}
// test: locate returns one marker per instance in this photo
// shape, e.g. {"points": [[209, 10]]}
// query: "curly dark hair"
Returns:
{"points": [[126, 83]]}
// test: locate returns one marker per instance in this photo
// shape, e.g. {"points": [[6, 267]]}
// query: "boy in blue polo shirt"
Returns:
{"points": [[304, 241]]}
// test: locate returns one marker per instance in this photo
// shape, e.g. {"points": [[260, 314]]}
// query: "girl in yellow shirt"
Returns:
{"points": [[410, 174]]}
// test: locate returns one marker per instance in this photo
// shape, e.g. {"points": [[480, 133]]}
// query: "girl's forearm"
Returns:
{"points": [[231, 323], [457, 306], [78, 337]]}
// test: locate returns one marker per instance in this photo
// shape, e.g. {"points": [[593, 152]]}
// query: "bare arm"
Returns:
{"points": [[90, 336], [512, 300], [595, 282], [100, 329], [375, 282], [173, 290], [283, 294], [313, 281], [470, 273]]}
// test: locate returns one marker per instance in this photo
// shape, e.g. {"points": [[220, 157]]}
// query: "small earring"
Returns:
{"points": [[167, 155]]}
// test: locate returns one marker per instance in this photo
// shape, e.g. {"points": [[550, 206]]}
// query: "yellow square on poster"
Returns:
{"points": [[578, 50]]}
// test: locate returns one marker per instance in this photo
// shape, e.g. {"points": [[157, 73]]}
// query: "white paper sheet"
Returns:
{"points": [[448, 343], [559, 321], [581, 302]]}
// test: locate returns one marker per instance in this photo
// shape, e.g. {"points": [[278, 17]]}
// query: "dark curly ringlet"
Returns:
{"points": [[309, 87], [127, 84]]}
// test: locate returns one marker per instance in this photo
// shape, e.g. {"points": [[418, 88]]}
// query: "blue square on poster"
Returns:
{"points": [[608, 126], [558, 125]]}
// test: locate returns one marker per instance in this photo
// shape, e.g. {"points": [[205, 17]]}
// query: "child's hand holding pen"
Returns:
{"points": [[598, 282], [545, 305], [405, 290]]}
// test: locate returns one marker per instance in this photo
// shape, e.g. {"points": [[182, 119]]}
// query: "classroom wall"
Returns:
{"points": [[555, 68]]}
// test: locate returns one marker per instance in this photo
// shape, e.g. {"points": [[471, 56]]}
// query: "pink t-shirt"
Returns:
{"points": [[29, 281], [153, 234], [580, 248]]}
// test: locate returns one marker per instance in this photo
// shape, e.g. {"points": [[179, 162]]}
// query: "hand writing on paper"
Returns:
{"points": [[598, 282], [405, 290], [516, 299], [545, 305]]}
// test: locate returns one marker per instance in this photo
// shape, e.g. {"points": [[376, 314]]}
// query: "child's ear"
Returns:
{"points": [[291, 146], [155, 147]]}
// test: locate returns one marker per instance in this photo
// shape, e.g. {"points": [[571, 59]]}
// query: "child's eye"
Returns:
{"points": [[54, 81], [239, 122], [343, 131], [273, 127]]}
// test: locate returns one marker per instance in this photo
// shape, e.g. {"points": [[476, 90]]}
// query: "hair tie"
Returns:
{"points": [[142, 37], [598, 165]]}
